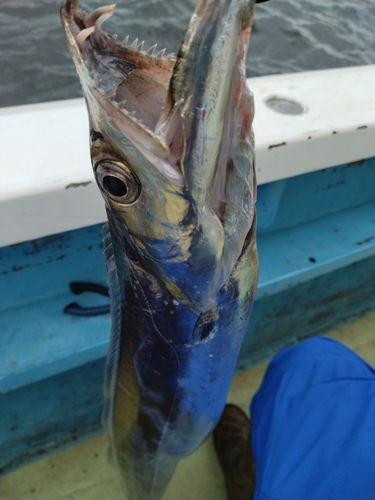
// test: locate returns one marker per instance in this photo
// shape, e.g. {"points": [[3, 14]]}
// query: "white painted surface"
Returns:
{"points": [[44, 147], [339, 103]]}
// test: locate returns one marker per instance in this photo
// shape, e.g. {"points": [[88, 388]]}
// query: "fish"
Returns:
{"points": [[172, 150]]}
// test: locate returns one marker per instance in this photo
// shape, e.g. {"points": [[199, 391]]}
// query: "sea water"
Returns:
{"points": [[287, 36]]}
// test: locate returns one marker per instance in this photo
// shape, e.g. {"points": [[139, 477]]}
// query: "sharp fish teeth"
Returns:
{"points": [[161, 53], [125, 41], [151, 50], [135, 43], [91, 19], [121, 104], [140, 46], [82, 35], [103, 18]]}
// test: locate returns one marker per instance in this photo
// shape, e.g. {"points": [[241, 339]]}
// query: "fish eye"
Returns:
{"points": [[114, 186], [118, 181]]}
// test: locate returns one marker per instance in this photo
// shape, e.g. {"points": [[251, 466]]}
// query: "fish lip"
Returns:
{"points": [[67, 11]]}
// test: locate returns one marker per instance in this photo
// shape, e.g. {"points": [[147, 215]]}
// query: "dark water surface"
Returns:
{"points": [[288, 36]]}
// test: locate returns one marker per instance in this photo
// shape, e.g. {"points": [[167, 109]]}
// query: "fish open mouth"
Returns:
{"points": [[185, 114], [136, 80]]}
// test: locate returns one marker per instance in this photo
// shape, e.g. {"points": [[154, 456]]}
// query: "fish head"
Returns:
{"points": [[125, 90], [171, 141]]}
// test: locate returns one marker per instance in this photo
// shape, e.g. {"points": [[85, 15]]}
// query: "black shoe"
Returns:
{"points": [[233, 448]]}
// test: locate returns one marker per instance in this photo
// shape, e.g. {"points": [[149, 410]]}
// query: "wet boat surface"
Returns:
{"points": [[82, 472]]}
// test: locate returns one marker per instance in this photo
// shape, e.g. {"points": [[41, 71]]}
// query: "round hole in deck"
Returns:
{"points": [[284, 105]]}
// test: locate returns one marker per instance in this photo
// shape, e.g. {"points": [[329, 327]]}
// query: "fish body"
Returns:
{"points": [[173, 155]]}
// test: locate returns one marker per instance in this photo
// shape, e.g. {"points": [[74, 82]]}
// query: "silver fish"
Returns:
{"points": [[173, 155]]}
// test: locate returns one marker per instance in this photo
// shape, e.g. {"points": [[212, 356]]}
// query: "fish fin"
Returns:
{"points": [[114, 344]]}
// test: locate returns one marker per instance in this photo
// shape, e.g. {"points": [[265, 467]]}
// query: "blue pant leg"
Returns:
{"points": [[313, 422]]}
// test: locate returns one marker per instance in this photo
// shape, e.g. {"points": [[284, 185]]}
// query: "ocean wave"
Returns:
{"points": [[288, 36]]}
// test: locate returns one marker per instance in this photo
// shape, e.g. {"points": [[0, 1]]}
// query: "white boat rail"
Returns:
{"points": [[46, 180]]}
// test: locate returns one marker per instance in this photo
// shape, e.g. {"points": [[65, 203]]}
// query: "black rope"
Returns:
{"points": [[78, 287]]}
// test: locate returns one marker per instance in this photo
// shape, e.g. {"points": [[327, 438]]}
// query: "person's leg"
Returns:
{"points": [[313, 425]]}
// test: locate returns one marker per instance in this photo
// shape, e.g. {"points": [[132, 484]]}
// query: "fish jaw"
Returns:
{"points": [[104, 65], [209, 87]]}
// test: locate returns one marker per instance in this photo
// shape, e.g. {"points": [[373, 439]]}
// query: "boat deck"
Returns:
{"points": [[82, 472]]}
